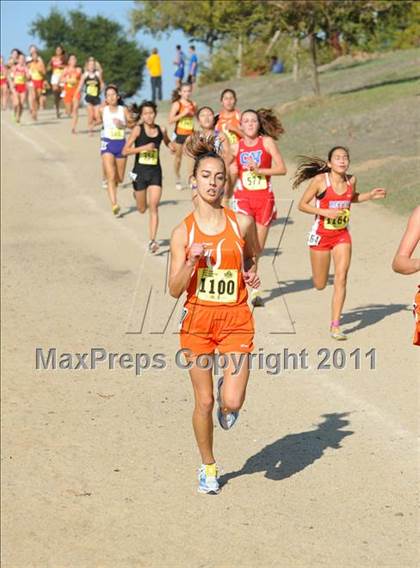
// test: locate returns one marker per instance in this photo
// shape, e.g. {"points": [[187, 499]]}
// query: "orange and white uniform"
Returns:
{"points": [[216, 314], [233, 121], [328, 233], [185, 125], [71, 82]]}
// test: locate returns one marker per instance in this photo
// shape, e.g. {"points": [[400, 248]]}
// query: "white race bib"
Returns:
{"points": [[313, 239], [217, 285], [253, 181]]}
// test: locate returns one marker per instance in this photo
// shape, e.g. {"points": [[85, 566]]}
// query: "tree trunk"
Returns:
{"points": [[315, 77], [295, 55], [239, 57]]}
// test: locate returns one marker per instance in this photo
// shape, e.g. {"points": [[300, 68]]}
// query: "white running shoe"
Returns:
{"points": [[226, 421], [208, 479], [178, 185]]}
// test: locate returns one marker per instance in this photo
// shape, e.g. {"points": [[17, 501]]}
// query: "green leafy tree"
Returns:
{"points": [[122, 59], [205, 21]]}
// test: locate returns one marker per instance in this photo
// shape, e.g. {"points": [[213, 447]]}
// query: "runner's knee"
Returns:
{"points": [[233, 402], [204, 404], [319, 284]]}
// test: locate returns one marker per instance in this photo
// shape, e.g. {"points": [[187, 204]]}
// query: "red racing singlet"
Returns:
{"points": [[329, 199], [249, 180], [217, 279]]}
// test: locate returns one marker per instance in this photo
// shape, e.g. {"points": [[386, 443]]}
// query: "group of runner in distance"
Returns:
{"points": [[231, 157]]}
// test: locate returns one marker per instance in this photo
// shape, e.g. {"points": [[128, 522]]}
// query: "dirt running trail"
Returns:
{"points": [[99, 466]]}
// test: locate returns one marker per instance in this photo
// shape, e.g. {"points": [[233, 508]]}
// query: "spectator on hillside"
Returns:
{"points": [[276, 65], [179, 62], [193, 67], [155, 69]]}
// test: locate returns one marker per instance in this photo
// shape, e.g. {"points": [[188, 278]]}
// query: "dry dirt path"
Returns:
{"points": [[99, 466]]}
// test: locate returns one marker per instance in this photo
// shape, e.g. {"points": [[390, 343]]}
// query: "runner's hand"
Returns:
{"points": [[252, 279], [196, 252], [252, 165], [171, 147], [118, 123], [148, 147], [331, 213], [378, 193]]}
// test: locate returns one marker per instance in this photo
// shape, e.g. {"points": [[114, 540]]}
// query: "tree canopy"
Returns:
{"points": [[354, 24], [122, 59]]}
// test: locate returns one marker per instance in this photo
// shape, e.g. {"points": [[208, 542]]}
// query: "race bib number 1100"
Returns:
{"points": [[217, 285]]}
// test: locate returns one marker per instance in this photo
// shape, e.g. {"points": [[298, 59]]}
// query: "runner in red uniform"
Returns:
{"points": [[18, 79], [333, 191], [3, 84], [213, 259], [257, 159]]}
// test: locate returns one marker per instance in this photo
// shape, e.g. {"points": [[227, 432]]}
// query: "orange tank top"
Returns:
{"points": [[234, 120], [185, 126], [217, 279]]}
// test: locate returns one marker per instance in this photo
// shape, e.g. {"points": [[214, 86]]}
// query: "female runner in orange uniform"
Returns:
{"points": [[71, 78], [228, 120], [182, 115], [213, 259], [333, 191]]}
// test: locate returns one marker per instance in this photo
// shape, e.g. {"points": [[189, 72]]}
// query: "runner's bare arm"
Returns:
{"points": [[101, 81], [174, 115], [377, 193], [316, 187], [129, 119], [249, 234], [181, 267], [403, 263], [251, 250], [81, 83], [278, 166], [167, 141]]}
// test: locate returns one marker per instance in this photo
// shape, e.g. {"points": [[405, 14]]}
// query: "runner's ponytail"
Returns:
{"points": [[269, 122], [199, 147], [310, 167]]}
